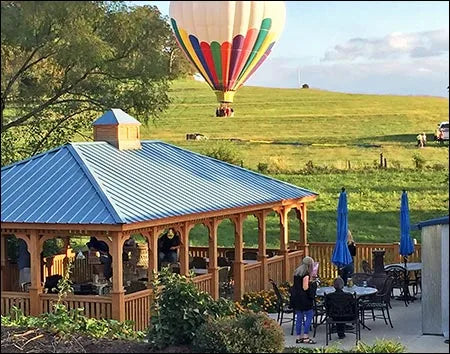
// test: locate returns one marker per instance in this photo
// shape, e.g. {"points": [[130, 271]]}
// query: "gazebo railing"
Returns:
{"points": [[275, 268], [295, 259], [137, 308], [252, 277], [203, 282], [12, 298], [93, 306]]}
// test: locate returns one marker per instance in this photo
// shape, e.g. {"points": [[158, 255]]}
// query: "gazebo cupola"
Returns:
{"points": [[118, 129]]}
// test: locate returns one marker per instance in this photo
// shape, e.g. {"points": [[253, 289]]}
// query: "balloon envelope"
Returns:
{"points": [[227, 40]]}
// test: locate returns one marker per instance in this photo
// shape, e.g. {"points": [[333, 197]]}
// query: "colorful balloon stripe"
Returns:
{"points": [[227, 66]]}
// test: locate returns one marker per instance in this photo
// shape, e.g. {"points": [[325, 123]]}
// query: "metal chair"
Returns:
{"points": [[229, 255], [250, 255], [199, 263], [380, 301], [225, 285], [222, 262], [342, 309], [401, 281], [282, 307], [319, 311]]}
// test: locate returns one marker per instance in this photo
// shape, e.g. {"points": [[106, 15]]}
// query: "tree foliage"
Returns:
{"points": [[63, 63]]}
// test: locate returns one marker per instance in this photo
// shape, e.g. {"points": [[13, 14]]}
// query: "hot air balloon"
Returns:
{"points": [[227, 41]]}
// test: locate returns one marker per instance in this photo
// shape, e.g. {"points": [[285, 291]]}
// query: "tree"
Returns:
{"points": [[63, 63]]}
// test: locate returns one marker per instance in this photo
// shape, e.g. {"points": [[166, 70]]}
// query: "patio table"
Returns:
{"points": [[410, 267], [199, 271]]}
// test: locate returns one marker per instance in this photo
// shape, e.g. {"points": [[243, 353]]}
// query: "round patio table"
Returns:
{"points": [[359, 290], [410, 267]]}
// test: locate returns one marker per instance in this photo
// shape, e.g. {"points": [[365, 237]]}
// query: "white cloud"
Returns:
{"points": [[394, 45]]}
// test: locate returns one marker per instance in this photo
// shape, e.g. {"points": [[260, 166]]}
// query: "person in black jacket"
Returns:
{"points": [[349, 269], [302, 296], [339, 294]]}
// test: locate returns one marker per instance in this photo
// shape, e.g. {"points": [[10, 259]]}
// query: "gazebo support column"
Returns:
{"points": [[35, 270], [184, 249], [118, 292], [212, 253], [262, 250], [4, 260], [152, 238], [238, 265], [303, 230], [284, 242]]}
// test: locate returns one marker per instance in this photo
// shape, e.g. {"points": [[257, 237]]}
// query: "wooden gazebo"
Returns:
{"points": [[118, 186]]}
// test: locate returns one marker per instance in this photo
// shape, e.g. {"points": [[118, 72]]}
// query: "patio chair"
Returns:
{"points": [[199, 263], [360, 278], [250, 255], [401, 281], [380, 301], [342, 310], [222, 262], [416, 282], [319, 313], [225, 286], [366, 266], [282, 307], [229, 255]]}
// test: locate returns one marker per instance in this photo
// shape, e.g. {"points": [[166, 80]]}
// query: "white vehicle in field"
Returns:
{"points": [[441, 133]]}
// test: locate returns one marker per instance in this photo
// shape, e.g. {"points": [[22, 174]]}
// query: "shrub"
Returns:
{"points": [[179, 309], [380, 346], [264, 300], [248, 332], [419, 161], [224, 151], [277, 165], [263, 167]]}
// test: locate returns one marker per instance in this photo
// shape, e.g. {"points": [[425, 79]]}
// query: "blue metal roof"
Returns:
{"points": [[431, 222], [115, 116], [125, 186]]}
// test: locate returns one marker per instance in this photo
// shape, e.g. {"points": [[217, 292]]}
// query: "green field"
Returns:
{"points": [[328, 128]]}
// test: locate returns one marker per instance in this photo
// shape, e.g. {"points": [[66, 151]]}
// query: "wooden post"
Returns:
{"points": [[184, 249], [118, 292], [304, 230], [35, 265], [238, 265], [262, 250], [4, 262], [212, 253], [153, 252], [284, 241]]}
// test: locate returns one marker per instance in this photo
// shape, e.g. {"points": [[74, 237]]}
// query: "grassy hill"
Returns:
{"points": [[328, 128]]}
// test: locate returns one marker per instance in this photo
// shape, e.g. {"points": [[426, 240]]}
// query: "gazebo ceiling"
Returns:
{"points": [[95, 183]]}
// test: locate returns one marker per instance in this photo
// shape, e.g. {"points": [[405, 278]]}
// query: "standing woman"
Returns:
{"points": [[302, 297], [349, 269]]}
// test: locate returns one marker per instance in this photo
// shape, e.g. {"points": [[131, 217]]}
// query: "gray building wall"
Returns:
{"points": [[435, 279]]}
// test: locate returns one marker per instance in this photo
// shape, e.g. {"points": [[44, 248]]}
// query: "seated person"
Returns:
{"points": [[23, 263], [168, 244], [51, 283], [340, 294], [105, 257]]}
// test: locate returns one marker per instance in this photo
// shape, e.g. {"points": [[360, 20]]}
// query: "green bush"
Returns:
{"points": [[419, 161], [224, 151], [179, 309], [263, 167], [380, 346], [248, 332]]}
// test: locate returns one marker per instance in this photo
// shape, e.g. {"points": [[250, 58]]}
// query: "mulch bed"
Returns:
{"points": [[24, 340]]}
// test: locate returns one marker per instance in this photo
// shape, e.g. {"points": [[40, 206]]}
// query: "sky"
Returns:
{"points": [[376, 47]]}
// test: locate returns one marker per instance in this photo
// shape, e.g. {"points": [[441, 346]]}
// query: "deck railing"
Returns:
{"points": [[203, 282], [137, 308], [252, 277], [323, 251], [295, 259], [18, 299], [94, 306], [275, 268]]}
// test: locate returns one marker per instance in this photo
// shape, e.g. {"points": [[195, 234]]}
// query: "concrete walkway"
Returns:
{"points": [[407, 322]]}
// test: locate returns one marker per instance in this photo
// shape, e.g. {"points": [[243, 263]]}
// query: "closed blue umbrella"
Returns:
{"points": [[341, 255], [406, 244]]}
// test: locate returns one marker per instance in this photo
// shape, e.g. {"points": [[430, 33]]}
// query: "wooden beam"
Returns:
{"points": [[238, 265], [153, 250], [262, 250], [35, 265], [118, 292], [212, 253], [4, 262], [184, 248], [304, 230], [284, 241]]}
